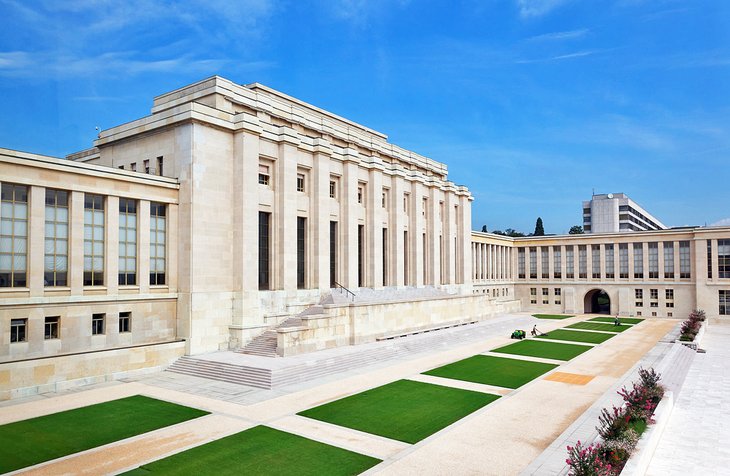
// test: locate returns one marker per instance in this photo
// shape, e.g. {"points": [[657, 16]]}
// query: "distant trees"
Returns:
{"points": [[576, 230], [509, 232], [539, 230], [484, 228]]}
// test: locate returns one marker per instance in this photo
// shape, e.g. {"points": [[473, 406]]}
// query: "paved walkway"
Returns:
{"points": [[696, 440]]}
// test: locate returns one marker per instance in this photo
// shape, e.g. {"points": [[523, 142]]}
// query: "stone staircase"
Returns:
{"points": [[265, 344], [388, 294]]}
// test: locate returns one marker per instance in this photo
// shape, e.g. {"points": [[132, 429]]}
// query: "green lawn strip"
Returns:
{"points": [[491, 370], [577, 336], [598, 326], [623, 320], [545, 350], [403, 410], [552, 316], [261, 451], [33, 441]]}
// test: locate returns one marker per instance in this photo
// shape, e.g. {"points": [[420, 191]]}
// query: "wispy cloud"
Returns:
{"points": [[361, 13], [538, 8], [560, 35], [567, 56], [723, 222]]}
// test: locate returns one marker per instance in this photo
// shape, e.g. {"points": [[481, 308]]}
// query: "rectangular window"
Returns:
{"points": [[158, 234], [133, 166], [18, 330], [264, 220], [569, 262], [533, 295], [654, 293], [125, 322], [557, 264], [653, 304], [385, 256], [93, 240], [127, 242], [264, 175], [406, 263], [668, 259], [13, 235], [384, 199], [709, 259], [361, 255], [333, 189], [684, 260], [638, 260], [723, 259], [51, 327], [545, 262], [360, 194], [610, 264], [55, 266], [582, 261], [159, 165], [521, 263], [301, 252], [146, 166], [546, 295], [424, 207], [406, 202], [623, 256], [639, 293], [558, 298], [596, 261], [97, 324], [333, 253], [724, 298], [300, 183], [653, 260], [533, 262]]}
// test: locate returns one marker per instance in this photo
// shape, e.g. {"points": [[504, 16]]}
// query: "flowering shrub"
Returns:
{"points": [[612, 423], [588, 461], [692, 326]]}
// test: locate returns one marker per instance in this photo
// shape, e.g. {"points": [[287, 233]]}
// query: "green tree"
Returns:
{"points": [[484, 228], [539, 230], [576, 230]]}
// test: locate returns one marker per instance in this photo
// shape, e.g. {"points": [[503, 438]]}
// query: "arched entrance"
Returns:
{"points": [[597, 302]]}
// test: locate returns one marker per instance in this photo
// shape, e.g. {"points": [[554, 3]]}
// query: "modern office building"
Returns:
{"points": [[234, 214], [616, 212]]}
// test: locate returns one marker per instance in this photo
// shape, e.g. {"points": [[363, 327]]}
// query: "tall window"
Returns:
{"points": [[264, 175], [623, 257], [13, 235], [385, 256], [264, 219], [545, 262], [97, 324], [610, 264], [127, 242], [93, 240], [596, 261], [360, 255], [406, 250], [51, 326], [684, 260], [533, 295], [638, 260], [159, 165], [125, 322], [55, 267], [158, 232], [557, 265], [569, 262], [533, 262], [301, 252], [521, 263], [668, 259], [582, 261], [18, 330], [300, 182], [724, 295], [723, 258], [709, 259], [333, 253], [653, 260]]}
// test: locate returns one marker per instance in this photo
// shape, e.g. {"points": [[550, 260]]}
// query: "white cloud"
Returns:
{"points": [[578, 54], [538, 8], [723, 222], [560, 35]]}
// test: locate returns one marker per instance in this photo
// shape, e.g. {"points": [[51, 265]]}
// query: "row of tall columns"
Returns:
{"points": [[491, 262]]}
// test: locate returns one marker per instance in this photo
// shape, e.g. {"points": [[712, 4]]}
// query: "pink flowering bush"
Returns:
{"points": [[588, 461], [692, 326]]}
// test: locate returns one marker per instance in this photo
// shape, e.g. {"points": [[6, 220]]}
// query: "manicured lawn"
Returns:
{"points": [[491, 370], [577, 336], [623, 320], [551, 316], [546, 350], [598, 326], [403, 410], [28, 442], [261, 451]]}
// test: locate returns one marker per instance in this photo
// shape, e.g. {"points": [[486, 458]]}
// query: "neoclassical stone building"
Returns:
{"points": [[233, 213]]}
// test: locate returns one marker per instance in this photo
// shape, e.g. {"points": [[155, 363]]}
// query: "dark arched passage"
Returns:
{"points": [[597, 302]]}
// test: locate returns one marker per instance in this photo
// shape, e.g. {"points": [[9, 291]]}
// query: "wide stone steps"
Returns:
{"points": [[263, 345], [240, 374]]}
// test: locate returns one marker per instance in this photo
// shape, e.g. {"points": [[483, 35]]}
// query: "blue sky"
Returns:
{"points": [[531, 103]]}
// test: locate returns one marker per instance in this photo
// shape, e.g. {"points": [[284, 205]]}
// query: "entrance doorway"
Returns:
{"points": [[597, 302]]}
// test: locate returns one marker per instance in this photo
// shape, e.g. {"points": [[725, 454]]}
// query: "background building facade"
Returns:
{"points": [[616, 212]]}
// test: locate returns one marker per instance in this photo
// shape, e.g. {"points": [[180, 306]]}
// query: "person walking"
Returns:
{"points": [[534, 331], [616, 321]]}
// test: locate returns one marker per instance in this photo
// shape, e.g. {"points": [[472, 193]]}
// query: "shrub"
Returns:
{"points": [[588, 461], [617, 451], [692, 325], [649, 379], [612, 423], [698, 314]]}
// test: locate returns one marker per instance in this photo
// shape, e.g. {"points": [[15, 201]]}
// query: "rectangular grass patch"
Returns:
{"points": [[403, 410], [577, 336], [261, 451], [598, 326], [552, 316], [543, 349], [36, 440], [491, 370], [623, 320]]}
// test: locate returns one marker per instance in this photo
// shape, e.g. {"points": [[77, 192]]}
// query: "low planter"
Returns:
{"points": [[639, 461], [694, 343]]}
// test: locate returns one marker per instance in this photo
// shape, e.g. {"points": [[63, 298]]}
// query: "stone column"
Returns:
{"points": [[284, 221], [35, 269], [348, 221], [373, 229], [320, 217], [397, 225], [111, 238], [76, 243]]}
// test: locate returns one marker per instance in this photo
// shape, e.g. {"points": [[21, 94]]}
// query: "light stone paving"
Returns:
{"points": [[696, 440]]}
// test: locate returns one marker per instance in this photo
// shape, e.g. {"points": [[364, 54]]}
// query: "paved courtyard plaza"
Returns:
{"points": [[464, 409]]}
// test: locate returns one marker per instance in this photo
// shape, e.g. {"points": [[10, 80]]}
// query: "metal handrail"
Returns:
{"points": [[339, 286]]}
